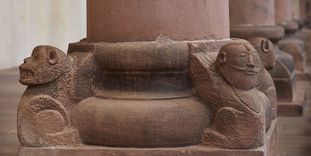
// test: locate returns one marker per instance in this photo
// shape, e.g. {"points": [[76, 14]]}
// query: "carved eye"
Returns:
{"points": [[222, 57], [35, 56], [52, 57]]}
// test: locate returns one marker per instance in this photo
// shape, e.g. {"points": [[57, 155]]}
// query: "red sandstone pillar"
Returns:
{"points": [[284, 15], [254, 18], [130, 84], [136, 20], [298, 10], [141, 47], [295, 10], [304, 33], [302, 9], [308, 12], [258, 18]]}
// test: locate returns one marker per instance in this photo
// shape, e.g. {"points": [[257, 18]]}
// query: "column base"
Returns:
{"points": [[294, 108], [270, 32], [289, 26], [269, 149]]}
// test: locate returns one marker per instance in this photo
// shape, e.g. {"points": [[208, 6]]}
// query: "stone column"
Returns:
{"points": [[290, 60], [249, 18], [151, 79], [254, 18], [135, 20], [302, 10], [290, 44], [142, 49], [304, 33], [284, 15], [298, 10], [295, 10], [308, 12]]}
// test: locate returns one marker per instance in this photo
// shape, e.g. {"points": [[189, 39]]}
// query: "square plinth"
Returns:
{"points": [[269, 149], [295, 108]]}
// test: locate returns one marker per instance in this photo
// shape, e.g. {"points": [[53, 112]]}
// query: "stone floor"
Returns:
{"points": [[294, 133], [10, 93]]}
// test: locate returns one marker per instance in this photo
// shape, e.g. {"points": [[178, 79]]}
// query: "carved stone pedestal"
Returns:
{"points": [[305, 35], [269, 149], [297, 44], [288, 11], [296, 41], [294, 47], [284, 15], [248, 20], [164, 114], [284, 76], [151, 78]]}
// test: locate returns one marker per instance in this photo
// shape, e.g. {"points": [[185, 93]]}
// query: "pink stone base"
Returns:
{"points": [[269, 149], [92, 47], [270, 32], [296, 107], [290, 26]]}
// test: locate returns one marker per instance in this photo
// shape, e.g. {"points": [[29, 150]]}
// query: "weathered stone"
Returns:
{"points": [[56, 82], [252, 13], [141, 123], [265, 50], [269, 149], [249, 18], [296, 106], [294, 47], [115, 104], [305, 35], [152, 78], [302, 10], [284, 15], [298, 11], [284, 76], [213, 76], [128, 21], [271, 32]]}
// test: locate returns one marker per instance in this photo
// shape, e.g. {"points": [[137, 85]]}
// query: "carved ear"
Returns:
{"points": [[52, 57], [222, 57], [265, 46]]}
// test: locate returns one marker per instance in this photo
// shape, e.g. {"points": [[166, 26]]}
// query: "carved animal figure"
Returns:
{"points": [[305, 36], [294, 47], [44, 113], [266, 53], [227, 84]]}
